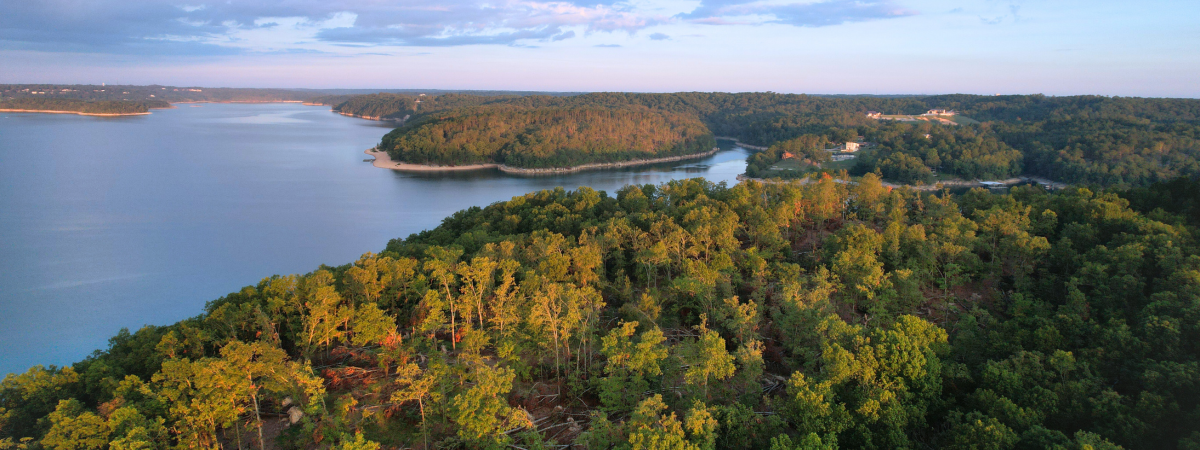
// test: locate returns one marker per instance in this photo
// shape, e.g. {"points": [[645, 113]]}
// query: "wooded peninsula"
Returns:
{"points": [[96, 108]]}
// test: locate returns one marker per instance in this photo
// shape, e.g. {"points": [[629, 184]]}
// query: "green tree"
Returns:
{"points": [[72, 428], [630, 364], [706, 359], [481, 411]]}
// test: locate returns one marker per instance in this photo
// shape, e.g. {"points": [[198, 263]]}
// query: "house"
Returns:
{"points": [[941, 112], [851, 146], [788, 155], [874, 115]]}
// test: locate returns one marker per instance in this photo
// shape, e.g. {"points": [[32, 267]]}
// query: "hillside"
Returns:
{"points": [[757, 316], [1082, 139], [545, 137]]}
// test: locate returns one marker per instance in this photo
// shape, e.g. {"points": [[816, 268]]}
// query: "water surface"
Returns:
{"points": [[121, 222]]}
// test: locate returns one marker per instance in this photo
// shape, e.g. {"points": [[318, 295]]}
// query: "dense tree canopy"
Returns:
{"points": [[687, 316], [914, 153], [546, 137], [1080, 139], [81, 106]]}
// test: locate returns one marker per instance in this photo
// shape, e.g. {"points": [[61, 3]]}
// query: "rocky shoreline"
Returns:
{"points": [[595, 166], [384, 161]]}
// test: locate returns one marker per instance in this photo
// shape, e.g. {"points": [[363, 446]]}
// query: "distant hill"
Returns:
{"points": [[1117, 141], [1089, 139], [171, 94]]}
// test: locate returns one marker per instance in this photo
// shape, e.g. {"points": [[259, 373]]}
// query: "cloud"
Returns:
{"points": [[108, 26], [813, 14], [217, 27], [608, 45], [63, 25], [999, 10], [395, 36]]}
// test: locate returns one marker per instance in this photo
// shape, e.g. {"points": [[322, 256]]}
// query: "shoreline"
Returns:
{"points": [[384, 161], [741, 144], [172, 106], [1048, 184], [47, 111], [238, 101], [612, 165], [375, 118]]}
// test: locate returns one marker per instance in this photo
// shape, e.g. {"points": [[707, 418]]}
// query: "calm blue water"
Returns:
{"points": [[121, 222]]}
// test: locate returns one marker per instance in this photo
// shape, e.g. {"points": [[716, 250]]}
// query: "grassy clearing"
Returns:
{"points": [[955, 119], [790, 165], [840, 165], [793, 165]]}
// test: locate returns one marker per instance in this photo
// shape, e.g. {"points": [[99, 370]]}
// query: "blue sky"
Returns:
{"points": [[1056, 47]]}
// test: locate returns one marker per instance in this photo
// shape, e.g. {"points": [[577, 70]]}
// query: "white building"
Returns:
{"points": [[852, 146]]}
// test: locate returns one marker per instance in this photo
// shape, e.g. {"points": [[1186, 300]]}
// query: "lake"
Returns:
{"points": [[126, 221]]}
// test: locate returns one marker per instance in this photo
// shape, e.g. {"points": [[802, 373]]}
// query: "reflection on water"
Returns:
{"points": [[264, 118], [126, 221]]}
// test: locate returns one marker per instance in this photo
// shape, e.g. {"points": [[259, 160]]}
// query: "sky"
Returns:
{"points": [[1148, 48]]}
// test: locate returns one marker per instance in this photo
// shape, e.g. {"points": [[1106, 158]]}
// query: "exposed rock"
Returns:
{"points": [[294, 415]]}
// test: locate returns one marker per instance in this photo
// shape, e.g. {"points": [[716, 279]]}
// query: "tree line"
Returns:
{"points": [[1078, 139], [688, 315], [82, 106]]}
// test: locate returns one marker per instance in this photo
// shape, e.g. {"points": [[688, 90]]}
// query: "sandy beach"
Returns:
{"points": [[71, 112], [239, 101], [383, 161]]}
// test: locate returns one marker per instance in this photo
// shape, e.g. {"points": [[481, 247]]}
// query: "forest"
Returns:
{"points": [[912, 153], [158, 93], [81, 106], [810, 148], [1095, 140], [1104, 141], [688, 315], [545, 137]]}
